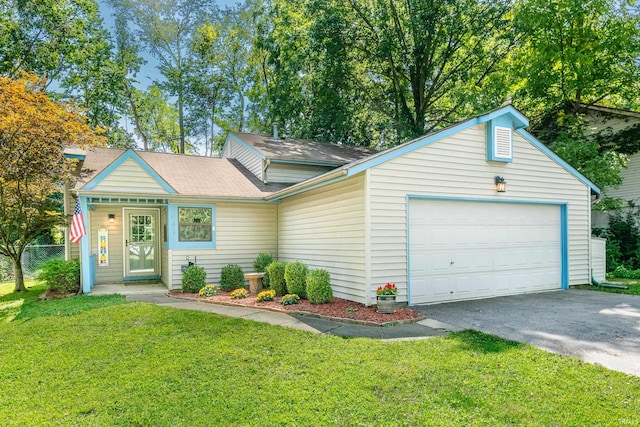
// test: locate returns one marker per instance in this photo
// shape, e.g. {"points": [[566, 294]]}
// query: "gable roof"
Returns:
{"points": [[302, 150], [182, 175], [519, 123]]}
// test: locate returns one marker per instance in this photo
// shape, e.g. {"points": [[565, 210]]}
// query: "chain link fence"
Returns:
{"points": [[33, 258]]}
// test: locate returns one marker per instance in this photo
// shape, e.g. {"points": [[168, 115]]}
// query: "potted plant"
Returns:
{"points": [[386, 296]]}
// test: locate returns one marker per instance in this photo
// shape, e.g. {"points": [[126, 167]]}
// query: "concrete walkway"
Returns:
{"points": [[157, 294]]}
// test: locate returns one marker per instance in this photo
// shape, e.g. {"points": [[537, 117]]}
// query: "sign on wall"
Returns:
{"points": [[103, 247]]}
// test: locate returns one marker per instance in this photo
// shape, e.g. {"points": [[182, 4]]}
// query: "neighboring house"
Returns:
{"points": [[425, 215]]}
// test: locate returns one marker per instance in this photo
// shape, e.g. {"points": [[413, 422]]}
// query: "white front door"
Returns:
{"points": [[141, 243], [465, 250]]}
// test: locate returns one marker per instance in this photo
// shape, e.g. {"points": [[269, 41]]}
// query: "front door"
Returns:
{"points": [[142, 259]]}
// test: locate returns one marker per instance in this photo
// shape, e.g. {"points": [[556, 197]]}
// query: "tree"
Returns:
{"points": [[166, 29], [398, 67], [574, 52], [34, 131]]}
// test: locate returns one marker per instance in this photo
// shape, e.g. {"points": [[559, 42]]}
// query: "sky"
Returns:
{"points": [[148, 71]]}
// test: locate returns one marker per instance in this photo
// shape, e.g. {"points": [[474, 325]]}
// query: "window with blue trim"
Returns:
{"points": [[194, 224], [191, 226]]}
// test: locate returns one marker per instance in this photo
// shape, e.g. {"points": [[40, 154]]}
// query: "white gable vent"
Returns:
{"points": [[502, 143]]}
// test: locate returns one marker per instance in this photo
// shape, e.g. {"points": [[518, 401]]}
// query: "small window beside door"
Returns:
{"points": [[195, 224]]}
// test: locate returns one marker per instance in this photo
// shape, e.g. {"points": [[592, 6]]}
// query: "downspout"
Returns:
{"points": [[266, 164], [594, 282]]}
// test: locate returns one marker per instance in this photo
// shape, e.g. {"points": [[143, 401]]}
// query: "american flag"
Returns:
{"points": [[77, 224]]}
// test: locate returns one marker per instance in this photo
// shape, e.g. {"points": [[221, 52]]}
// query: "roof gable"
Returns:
{"points": [[129, 173]]}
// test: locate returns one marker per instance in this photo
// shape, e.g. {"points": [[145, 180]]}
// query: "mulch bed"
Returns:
{"points": [[337, 309]]}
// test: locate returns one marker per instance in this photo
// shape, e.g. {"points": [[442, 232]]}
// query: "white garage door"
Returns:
{"points": [[464, 250]]}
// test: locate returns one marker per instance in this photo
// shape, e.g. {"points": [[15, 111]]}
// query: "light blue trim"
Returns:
{"points": [[131, 278], [85, 260], [564, 230], [407, 147], [129, 154], [308, 163], [505, 122], [564, 243], [75, 156], [518, 120], [526, 135], [173, 241], [249, 147]]}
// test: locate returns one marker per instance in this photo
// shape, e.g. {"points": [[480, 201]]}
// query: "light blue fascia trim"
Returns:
{"points": [[84, 249], [408, 147], [517, 118], [75, 156], [526, 135], [502, 121], [173, 242], [249, 147], [564, 230], [129, 154], [309, 163], [131, 278]]}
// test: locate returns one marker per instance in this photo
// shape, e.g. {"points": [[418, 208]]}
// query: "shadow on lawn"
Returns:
{"points": [[470, 340]]}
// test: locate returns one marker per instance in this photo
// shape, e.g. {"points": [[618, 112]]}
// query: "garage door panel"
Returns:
{"points": [[466, 250]]}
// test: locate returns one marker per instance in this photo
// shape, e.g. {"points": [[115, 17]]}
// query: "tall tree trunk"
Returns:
{"points": [[19, 276]]}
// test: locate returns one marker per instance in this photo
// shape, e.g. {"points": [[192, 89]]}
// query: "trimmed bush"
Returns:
{"points": [[266, 296], [290, 299], [239, 293], [231, 277], [208, 291], [319, 287], [276, 275], [61, 275], [193, 279], [295, 274], [260, 266]]}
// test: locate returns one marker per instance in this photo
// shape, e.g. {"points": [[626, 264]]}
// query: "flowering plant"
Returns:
{"points": [[388, 289]]}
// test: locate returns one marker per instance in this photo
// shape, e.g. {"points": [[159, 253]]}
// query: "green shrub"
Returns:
{"points": [[239, 293], [290, 299], [624, 273], [193, 279], [260, 266], [231, 277], [276, 275], [61, 275], [266, 296], [319, 287], [208, 291], [295, 274]]}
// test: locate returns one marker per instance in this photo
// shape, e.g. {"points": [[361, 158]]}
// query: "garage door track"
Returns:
{"points": [[598, 327]]}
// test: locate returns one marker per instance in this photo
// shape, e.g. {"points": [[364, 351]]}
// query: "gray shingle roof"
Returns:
{"points": [[188, 175], [304, 150]]}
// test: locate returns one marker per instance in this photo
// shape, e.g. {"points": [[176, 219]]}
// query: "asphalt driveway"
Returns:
{"points": [[598, 327]]}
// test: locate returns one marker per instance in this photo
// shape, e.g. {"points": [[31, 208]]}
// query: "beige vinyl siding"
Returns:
{"points": [[250, 160], [630, 187], [598, 122], [130, 177], [243, 230], [460, 170], [293, 173], [325, 228], [98, 218]]}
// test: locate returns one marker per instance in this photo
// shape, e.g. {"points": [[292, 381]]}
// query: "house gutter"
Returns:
{"points": [[326, 178]]}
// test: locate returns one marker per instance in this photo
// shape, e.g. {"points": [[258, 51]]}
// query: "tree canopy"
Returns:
{"points": [[34, 131]]}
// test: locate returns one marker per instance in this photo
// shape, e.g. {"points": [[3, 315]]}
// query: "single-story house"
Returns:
{"points": [[476, 210]]}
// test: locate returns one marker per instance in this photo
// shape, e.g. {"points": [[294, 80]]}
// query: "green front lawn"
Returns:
{"points": [[140, 364]]}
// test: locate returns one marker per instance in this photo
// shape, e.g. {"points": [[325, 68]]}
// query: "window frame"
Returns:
{"points": [[173, 221]]}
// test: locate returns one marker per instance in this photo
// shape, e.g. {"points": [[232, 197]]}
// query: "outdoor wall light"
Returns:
{"points": [[501, 184], [112, 218]]}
